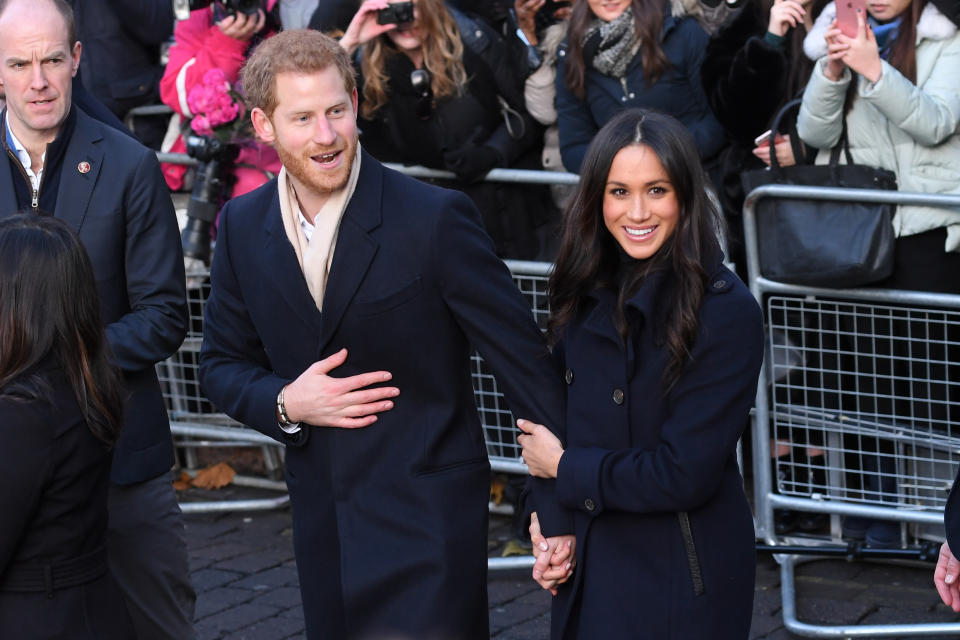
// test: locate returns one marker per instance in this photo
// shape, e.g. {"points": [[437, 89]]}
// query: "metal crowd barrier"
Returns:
{"points": [[871, 377]]}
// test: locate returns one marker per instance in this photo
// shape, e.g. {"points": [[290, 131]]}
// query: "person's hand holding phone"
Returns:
{"points": [[836, 48], [784, 15], [781, 146], [863, 55], [364, 27], [241, 26]]}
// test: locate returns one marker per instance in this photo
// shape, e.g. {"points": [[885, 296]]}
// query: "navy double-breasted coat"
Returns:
{"points": [[389, 521], [665, 542]]}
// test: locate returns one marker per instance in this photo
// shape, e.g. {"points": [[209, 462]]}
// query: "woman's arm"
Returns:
{"points": [[930, 114], [820, 120]]}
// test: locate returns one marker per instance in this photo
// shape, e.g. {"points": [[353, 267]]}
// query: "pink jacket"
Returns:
{"points": [[199, 47]]}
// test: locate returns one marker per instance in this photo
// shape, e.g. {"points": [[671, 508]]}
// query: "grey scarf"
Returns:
{"points": [[614, 44]]}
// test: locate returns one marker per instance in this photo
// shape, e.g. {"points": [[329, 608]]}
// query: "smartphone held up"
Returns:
{"points": [[396, 13], [847, 13]]}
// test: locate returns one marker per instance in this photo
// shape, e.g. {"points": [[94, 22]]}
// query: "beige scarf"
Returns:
{"points": [[316, 255]]}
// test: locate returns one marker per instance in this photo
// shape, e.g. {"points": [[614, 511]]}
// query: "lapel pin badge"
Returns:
{"points": [[84, 167]]}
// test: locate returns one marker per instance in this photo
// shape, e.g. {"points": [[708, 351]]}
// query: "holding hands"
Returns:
{"points": [[364, 28], [555, 557], [860, 53]]}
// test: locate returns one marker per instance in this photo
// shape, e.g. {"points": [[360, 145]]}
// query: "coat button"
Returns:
{"points": [[568, 376], [719, 284], [589, 505], [618, 396]]}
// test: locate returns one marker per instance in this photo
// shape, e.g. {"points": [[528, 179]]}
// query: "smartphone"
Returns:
{"points": [[396, 13], [847, 12], [764, 137]]}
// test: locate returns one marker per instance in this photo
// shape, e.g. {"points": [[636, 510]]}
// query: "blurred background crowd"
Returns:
{"points": [[466, 86]]}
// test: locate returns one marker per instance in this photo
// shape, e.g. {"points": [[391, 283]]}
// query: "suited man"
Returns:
{"points": [[344, 302], [109, 189]]}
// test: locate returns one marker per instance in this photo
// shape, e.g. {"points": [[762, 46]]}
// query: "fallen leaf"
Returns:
{"points": [[516, 548], [215, 477], [183, 482], [496, 490]]}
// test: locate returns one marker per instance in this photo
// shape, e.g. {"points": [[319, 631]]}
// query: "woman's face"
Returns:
{"points": [[608, 10], [886, 10], [406, 37], [640, 206]]}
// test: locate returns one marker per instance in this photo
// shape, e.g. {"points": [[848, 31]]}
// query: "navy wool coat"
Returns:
{"points": [[678, 92], [389, 521], [665, 542]]}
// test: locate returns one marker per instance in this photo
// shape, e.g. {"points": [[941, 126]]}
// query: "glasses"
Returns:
{"points": [[420, 81]]}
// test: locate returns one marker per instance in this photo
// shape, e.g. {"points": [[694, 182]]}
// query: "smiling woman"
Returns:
{"points": [[662, 348]]}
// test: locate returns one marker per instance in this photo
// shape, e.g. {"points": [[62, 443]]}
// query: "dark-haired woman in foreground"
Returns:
{"points": [[662, 348], [60, 414]]}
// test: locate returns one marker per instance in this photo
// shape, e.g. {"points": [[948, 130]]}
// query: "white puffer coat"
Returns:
{"points": [[910, 129]]}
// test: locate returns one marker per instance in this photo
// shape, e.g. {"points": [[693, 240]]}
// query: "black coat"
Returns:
{"points": [[55, 476], [120, 208], [665, 538], [389, 521]]}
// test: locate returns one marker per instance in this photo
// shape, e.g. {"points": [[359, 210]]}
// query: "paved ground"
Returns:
{"points": [[243, 569]]}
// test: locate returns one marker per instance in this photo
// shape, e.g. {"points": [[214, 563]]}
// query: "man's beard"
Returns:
{"points": [[304, 171]]}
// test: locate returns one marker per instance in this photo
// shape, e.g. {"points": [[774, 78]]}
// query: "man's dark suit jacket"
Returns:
{"points": [[389, 521], [951, 518], [121, 210]]}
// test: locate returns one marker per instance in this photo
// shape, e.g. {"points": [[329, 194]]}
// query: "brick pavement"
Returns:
{"points": [[243, 569]]}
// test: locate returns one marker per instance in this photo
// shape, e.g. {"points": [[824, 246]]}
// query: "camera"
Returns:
{"points": [[397, 13], [182, 8], [211, 183]]}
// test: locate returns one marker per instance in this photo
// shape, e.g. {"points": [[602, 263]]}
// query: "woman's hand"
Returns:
{"points": [[784, 15], [863, 54], [555, 557], [783, 149], [541, 449], [363, 27], [836, 48], [526, 10], [241, 27]]}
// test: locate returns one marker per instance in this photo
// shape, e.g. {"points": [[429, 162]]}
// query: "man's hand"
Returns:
{"points": [[541, 449], [241, 27], [526, 11], [321, 400], [555, 557], [945, 576], [363, 27]]}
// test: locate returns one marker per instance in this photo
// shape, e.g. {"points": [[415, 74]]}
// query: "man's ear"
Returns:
{"points": [[262, 125], [356, 102], [75, 57]]}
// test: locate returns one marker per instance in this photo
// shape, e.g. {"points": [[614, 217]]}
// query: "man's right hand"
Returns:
{"points": [[241, 27], [324, 401]]}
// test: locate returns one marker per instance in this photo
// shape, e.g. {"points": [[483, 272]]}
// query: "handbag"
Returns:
{"points": [[822, 242]]}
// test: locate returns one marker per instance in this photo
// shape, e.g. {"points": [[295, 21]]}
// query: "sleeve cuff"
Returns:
{"points": [[578, 480]]}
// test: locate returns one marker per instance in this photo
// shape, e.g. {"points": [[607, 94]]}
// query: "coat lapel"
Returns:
{"points": [[355, 248], [82, 162], [285, 269]]}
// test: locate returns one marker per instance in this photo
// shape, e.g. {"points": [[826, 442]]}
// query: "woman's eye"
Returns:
{"points": [[618, 191]]}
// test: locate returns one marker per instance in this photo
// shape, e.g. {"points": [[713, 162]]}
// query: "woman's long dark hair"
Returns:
{"points": [[50, 313], [589, 256], [648, 23]]}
